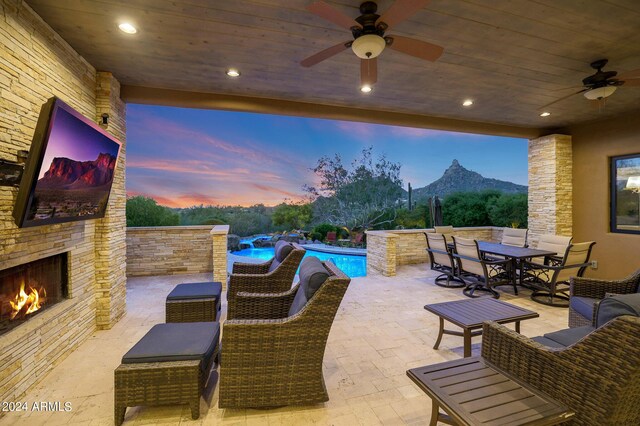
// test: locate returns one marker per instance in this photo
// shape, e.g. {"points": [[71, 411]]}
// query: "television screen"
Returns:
{"points": [[69, 171]]}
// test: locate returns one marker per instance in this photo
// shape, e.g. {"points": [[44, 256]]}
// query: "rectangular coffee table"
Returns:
{"points": [[469, 315]]}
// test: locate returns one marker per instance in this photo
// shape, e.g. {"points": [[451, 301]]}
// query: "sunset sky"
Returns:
{"points": [[184, 157]]}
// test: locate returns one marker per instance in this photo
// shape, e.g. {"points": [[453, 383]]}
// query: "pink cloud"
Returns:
{"points": [[271, 189]]}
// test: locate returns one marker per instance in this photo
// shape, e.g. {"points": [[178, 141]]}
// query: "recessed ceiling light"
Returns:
{"points": [[545, 114], [232, 72], [467, 102], [365, 88], [126, 27]]}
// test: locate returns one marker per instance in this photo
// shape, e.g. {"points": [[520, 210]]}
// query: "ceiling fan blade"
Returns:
{"points": [[418, 48], [368, 71], [561, 99], [401, 10], [332, 14], [325, 54], [629, 74]]}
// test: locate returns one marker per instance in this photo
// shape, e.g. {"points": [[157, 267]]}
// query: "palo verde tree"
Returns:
{"points": [[362, 196]]}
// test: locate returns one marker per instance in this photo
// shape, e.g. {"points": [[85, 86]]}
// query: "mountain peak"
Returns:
{"points": [[458, 179]]}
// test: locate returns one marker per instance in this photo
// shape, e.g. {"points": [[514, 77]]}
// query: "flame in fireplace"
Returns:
{"points": [[26, 304]]}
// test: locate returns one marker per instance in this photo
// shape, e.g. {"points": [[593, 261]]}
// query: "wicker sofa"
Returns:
{"points": [[585, 293], [273, 276], [598, 377], [273, 345]]}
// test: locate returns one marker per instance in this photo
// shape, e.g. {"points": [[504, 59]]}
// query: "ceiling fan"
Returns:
{"points": [[369, 39], [602, 84]]}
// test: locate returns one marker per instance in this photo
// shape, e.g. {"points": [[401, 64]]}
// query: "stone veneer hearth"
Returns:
{"points": [[37, 64]]}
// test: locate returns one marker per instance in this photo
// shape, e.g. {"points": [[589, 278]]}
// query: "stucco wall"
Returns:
{"points": [[593, 145]]}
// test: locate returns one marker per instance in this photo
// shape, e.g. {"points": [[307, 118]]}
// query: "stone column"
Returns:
{"points": [[219, 239], [382, 253], [110, 232], [550, 186]]}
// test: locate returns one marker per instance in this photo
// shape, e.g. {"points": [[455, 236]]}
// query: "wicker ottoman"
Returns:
{"points": [[194, 302], [169, 365]]}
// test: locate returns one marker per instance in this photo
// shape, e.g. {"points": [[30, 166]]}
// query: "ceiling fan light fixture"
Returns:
{"points": [[366, 88], [599, 92], [368, 46]]}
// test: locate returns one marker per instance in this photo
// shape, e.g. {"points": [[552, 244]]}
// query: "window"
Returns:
{"points": [[625, 194]]}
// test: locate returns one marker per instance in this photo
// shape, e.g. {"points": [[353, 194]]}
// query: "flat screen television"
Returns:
{"points": [[69, 170]]}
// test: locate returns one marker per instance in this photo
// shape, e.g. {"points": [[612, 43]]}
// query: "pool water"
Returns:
{"points": [[352, 266]]}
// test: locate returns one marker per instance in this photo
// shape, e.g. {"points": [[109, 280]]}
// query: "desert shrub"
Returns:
{"points": [[144, 211], [315, 236], [323, 228]]}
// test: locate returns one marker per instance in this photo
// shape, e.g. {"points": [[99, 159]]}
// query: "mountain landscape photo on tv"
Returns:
{"points": [[70, 169]]}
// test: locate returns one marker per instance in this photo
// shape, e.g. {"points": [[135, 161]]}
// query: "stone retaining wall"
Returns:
{"points": [[386, 250], [169, 250]]}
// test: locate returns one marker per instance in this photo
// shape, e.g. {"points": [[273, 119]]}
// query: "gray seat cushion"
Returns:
{"points": [[547, 342], [204, 290], [312, 275], [615, 306], [583, 305], [569, 336], [176, 342]]}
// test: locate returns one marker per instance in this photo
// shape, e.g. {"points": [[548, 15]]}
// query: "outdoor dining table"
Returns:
{"points": [[513, 253]]}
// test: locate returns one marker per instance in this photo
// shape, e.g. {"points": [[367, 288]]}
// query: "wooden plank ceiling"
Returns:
{"points": [[509, 56]]}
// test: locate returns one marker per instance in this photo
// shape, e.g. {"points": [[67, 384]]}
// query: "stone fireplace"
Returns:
{"points": [[29, 289], [91, 291]]}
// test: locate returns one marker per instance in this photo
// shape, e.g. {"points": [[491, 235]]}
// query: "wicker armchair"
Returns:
{"points": [[274, 276], [598, 377], [484, 273], [550, 280], [273, 357], [585, 293]]}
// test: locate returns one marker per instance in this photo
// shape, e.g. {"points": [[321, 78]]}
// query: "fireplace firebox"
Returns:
{"points": [[26, 290]]}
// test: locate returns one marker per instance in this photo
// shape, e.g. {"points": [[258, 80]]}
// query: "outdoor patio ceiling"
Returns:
{"points": [[510, 58]]}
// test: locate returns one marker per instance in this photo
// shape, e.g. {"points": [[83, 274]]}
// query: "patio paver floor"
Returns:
{"points": [[380, 331]]}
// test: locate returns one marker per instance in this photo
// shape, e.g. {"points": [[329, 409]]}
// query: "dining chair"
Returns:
{"points": [[484, 273], [441, 260], [550, 281], [447, 231], [555, 243], [514, 237]]}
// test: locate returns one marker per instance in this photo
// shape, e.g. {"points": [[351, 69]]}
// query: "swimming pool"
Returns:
{"points": [[353, 266]]}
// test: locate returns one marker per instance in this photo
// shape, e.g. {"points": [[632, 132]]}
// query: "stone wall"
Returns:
{"points": [[110, 233], [386, 250], [219, 235], [169, 250], [381, 253], [550, 186], [35, 64]]}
